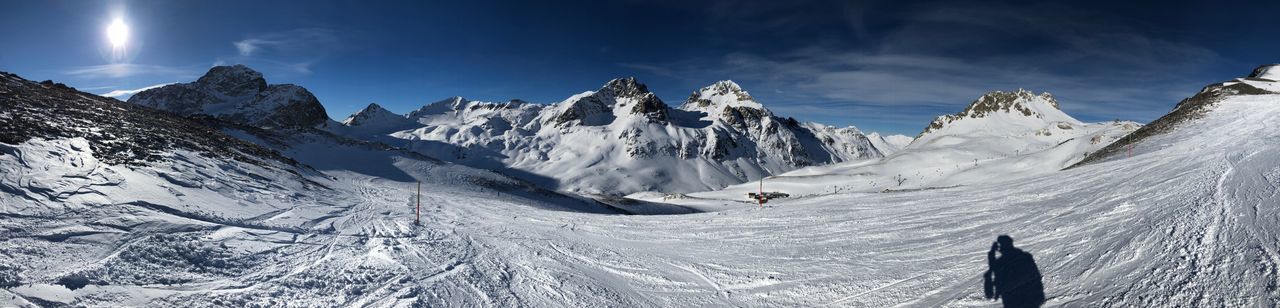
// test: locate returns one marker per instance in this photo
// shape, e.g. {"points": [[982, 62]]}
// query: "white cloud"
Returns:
{"points": [[248, 46], [127, 93]]}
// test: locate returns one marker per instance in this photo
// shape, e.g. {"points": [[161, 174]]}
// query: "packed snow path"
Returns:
{"points": [[1190, 219]]}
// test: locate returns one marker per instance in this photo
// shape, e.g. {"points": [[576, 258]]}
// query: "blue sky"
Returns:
{"points": [[880, 65]]}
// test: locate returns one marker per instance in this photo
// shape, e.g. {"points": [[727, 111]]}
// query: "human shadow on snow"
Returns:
{"points": [[1013, 276]]}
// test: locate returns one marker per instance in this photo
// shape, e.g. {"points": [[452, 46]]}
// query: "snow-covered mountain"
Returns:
{"points": [[889, 144], [239, 94], [622, 138], [1001, 136], [373, 120], [1001, 113]]}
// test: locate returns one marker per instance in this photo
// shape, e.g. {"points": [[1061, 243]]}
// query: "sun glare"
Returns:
{"points": [[117, 33]]}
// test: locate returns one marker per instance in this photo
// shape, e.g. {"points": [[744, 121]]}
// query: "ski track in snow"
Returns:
{"points": [[1190, 219]]}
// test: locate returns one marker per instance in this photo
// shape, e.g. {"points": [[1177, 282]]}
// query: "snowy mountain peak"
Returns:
{"points": [[726, 86], [234, 80], [371, 113], [630, 97], [1020, 101], [1008, 109], [439, 107], [619, 98], [717, 97], [1268, 72]]}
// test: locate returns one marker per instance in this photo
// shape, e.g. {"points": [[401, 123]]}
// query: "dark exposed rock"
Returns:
{"points": [[624, 87], [651, 107]]}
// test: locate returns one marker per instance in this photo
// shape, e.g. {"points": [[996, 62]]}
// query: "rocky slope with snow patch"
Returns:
{"points": [[136, 135], [1270, 72], [1261, 82], [106, 203]]}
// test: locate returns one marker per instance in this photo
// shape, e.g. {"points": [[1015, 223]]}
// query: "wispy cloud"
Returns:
{"points": [[128, 93], [248, 46], [293, 50], [121, 70]]}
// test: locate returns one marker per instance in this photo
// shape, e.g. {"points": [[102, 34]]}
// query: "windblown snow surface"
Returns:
{"points": [[1189, 220]]}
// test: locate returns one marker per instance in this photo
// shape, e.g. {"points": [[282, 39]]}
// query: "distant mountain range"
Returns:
{"points": [[618, 139], [622, 139]]}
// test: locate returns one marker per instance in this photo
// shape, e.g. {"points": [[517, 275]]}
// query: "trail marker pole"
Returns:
{"points": [[1130, 151], [417, 211], [760, 196]]}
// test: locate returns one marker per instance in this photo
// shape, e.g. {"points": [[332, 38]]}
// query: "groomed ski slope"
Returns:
{"points": [[1191, 219]]}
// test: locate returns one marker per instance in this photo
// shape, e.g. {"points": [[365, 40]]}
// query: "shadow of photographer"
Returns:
{"points": [[1013, 276]]}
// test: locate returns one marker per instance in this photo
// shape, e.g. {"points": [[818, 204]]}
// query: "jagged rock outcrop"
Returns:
{"points": [[238, 94]]}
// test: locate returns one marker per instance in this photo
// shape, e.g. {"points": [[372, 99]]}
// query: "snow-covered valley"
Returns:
{"points": [[121, 215]]}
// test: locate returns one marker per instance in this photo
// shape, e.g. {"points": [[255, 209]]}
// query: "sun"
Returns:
{"points": [[118, 33]]}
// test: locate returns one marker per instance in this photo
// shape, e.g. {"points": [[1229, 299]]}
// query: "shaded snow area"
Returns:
{"points": [[1187, 217]]}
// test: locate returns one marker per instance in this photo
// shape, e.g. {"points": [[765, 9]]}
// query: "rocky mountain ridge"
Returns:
{"points": [[238, 94]]}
